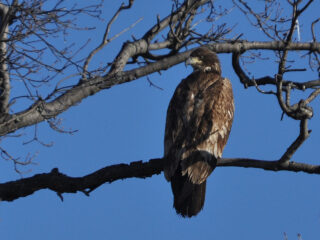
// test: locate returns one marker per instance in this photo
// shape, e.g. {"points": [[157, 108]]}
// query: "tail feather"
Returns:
{"points": [[188, 197]]}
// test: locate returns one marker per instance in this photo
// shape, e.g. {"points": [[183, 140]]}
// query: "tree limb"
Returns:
{"points": [[105, 39], [5, 14], [247, 82], [61, 183], [42, 110], [303, 135]]}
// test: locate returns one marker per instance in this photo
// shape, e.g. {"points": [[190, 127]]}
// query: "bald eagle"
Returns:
{"points": [[198, 124]]}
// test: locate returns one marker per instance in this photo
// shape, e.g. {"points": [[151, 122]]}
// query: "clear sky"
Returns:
{"points": [[126, 123]]}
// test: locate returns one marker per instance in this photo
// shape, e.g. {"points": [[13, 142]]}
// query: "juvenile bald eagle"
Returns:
{"points": [[199, 120]]}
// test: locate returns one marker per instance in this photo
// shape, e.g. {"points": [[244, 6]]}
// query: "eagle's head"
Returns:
{"points": [[204, 60]]}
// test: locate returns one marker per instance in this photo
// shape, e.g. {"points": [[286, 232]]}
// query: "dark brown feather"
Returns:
{"points": [[188, 197]]}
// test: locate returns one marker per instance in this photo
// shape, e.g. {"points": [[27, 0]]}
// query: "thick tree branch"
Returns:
{"points": [[42, 110], [61, 183], [242, 46], [5, 14], [141, 46]]}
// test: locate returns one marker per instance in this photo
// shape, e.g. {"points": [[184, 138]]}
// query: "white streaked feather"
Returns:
{"points": [[215, 150]]}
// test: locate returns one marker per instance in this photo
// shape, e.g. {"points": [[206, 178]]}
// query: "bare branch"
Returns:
{"points": [[312, 96], [267, 80], [42, 110], [105, 39], [260, 90], [284, 55], [261, 23], [304, 134], [5, 14], [140, 47], [16, 160], [61, 183], [312, 29], [36, 138], [298, 111], [32, 57]]}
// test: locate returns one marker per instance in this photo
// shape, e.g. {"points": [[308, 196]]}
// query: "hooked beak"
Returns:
{"points": [[193, 61]]}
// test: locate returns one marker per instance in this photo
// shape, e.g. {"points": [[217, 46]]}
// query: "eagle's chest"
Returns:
{"points": [[197, 100], [194, 99]]}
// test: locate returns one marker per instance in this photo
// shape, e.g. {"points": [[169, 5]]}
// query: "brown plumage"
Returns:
{"points": [[199, 120]]}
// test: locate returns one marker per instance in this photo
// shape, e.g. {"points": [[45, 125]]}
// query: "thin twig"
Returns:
{"points": [[105, 39]]}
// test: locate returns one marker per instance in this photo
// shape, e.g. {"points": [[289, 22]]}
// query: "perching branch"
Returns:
{"points": [[61, 183]]}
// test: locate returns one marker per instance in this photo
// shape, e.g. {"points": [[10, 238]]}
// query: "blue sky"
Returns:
{"points": [[126, 123]]}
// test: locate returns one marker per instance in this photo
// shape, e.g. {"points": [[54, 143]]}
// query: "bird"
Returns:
{"points": [[198, 123]]}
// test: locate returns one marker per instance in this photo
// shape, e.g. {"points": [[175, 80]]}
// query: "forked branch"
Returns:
{"points": [[267, 80], [105, 39]]}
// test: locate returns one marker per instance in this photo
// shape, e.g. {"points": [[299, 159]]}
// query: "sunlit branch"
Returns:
{"points": [[42, 110], [140, 46]]}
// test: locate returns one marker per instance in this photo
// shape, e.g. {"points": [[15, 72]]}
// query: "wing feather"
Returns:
{"points": [[199, 118]]}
